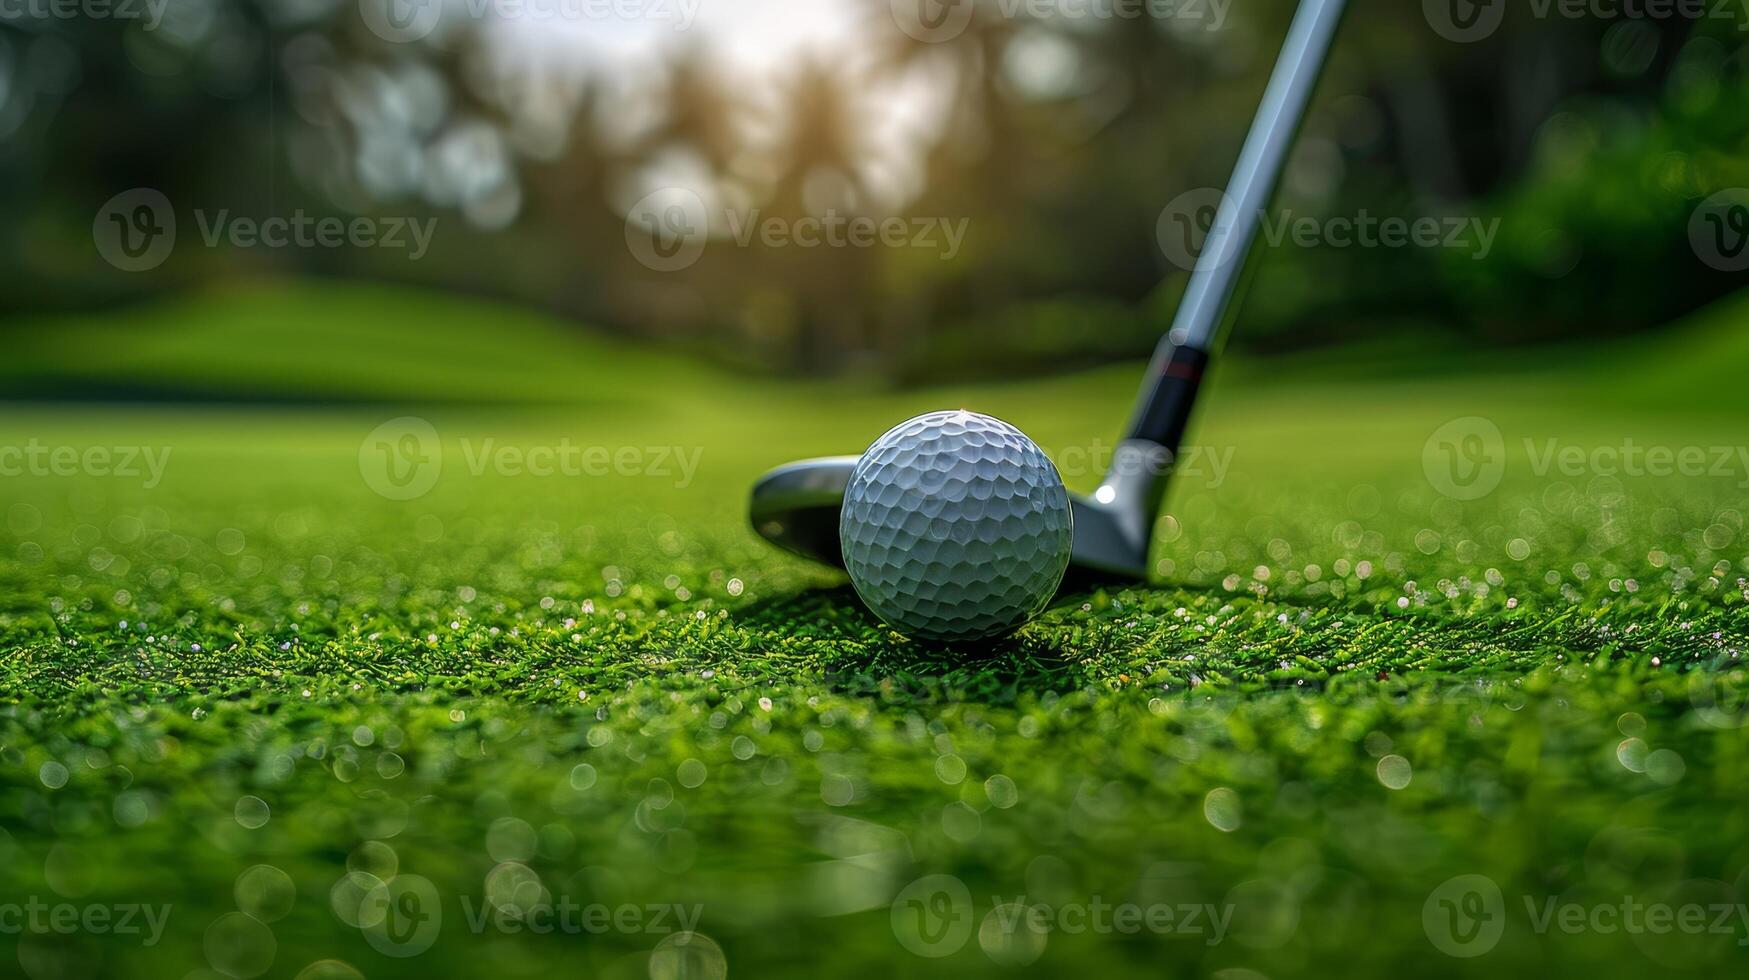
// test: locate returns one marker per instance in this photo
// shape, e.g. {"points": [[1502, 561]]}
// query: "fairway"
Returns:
{"points": [[491, 630]]}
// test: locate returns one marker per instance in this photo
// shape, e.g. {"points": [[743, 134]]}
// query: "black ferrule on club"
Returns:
{"points": [[1164, 413]]}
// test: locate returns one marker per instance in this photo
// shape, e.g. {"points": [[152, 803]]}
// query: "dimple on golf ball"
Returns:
{"points": [[955, 526]]}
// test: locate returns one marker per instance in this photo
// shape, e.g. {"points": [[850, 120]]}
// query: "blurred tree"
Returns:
{"points": [[1058, 140]]}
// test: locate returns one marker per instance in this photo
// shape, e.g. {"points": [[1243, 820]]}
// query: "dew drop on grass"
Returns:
{"points": [[23, 518], [1665, 767], [329, 970], [265, 892], [347, 900], [230, 541], [837, 790], [68, 872], [374, 859], [775, 773], [1009, 936], [950, 769], [252, 812], [514, 888], [1631, 753], [960, 822], [1001, 791], [1395, 772], [239, 946], [132, 808], [1221, 808], [688, 956]]}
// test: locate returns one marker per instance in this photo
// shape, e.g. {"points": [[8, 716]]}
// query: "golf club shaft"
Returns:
{"points": [[1163, 411]]}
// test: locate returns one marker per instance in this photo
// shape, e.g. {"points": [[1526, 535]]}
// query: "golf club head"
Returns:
{"points": [[796, 507]]}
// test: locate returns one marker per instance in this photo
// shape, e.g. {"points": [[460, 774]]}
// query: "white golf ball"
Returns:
{"points": [[955, 526]]}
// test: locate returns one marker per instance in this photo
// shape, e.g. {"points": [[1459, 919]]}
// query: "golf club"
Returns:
{"points": [[797, 506]]}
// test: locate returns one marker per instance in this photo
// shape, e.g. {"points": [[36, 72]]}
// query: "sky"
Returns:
{"points": [[620, 46], [759, 35]]}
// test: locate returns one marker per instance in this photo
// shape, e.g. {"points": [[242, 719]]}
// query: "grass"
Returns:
{"points": [[1343, 689]]}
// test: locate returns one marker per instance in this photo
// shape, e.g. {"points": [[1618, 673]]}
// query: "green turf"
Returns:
{"points": [[606, 689]]}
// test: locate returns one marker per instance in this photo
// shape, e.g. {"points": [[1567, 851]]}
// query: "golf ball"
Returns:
{"points": [[955, 526]]}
